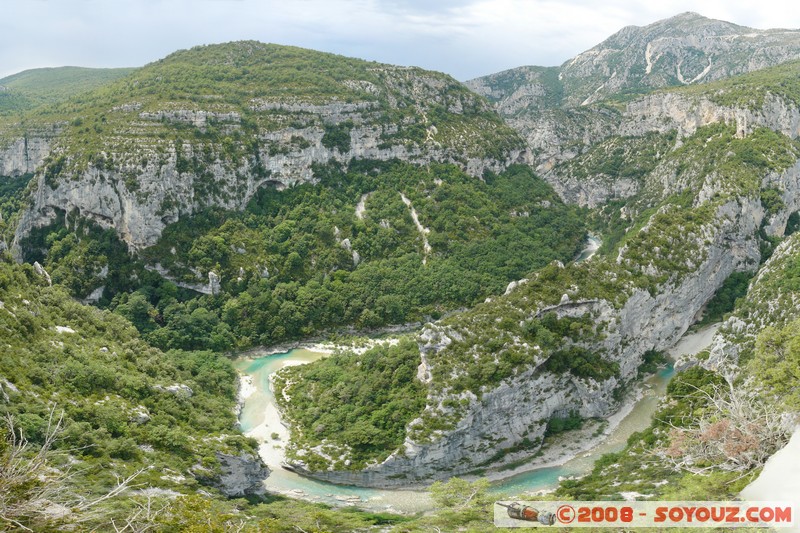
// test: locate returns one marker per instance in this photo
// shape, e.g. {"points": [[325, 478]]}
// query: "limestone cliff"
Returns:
{"points": [[696, 216], [215, 144], [681, 50], [515, 412], [562, 112], [22, 152], [655, 125], [236, 476], [769, 302]]}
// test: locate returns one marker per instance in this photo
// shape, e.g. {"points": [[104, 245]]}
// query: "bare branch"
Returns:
{"points": [[737, 431]]}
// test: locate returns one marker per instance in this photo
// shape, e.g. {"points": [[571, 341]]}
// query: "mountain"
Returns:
{"points": [[682, 50], [33, 88], [550, 106], [242, 194], [329, 172], [690, 186], [212, 125]]}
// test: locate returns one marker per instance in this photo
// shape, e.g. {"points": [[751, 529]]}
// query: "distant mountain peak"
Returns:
{"points": [[688, 15], [681, 50]]}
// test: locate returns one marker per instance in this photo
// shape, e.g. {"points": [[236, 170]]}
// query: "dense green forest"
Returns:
{"points": [[287, 262], [385, 395], [82, 411], [135, 395]]}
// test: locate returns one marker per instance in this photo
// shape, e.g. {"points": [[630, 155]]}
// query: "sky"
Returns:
{"points": [[464, 38]]}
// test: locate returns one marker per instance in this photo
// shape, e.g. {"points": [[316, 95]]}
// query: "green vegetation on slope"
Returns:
{"points": [[724, 300], [621, 157], [661, 243], [37, 87], [728, 430], [641, 468], [286, 271], [365, 404], [750, 90], [102, 375], [714, 154], [14, 193], [118, 415], [260, 83], [649, 463]]}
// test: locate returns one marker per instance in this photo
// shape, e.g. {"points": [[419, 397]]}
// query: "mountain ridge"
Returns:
{"points": [[687, 184], [220, 121]]}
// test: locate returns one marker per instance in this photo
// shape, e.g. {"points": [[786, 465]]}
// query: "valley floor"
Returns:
{"points": [[568, 454]]}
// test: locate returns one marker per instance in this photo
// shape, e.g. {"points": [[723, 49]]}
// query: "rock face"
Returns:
{"points": [[659, 113], [681, 50], [651, 318], [645, 322], [39, 269], [559, 110], [24, 155], [163, 194], [768, 304], [238, 476], [160, 160]]}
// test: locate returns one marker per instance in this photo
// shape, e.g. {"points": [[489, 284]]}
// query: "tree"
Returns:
{"points": [[33, 494], [737, 431], [139, 311], [462, 502]]}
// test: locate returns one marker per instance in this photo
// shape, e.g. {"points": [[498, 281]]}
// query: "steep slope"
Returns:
{"points": [[211, 125], [27, 126], [553, 109], [714, 182], [681, 50], [33, 88], [756, 349], [126, 406]]}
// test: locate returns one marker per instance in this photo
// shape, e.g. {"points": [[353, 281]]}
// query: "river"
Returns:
{"points": [[260, 419], [593, 244]]}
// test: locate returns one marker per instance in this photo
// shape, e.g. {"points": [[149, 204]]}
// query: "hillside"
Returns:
{"points": [[299, 180], [687, 49], [217, 123], [755, 351], [700, 184], [245, 194], [126, 407], [562, 111], [91, 405], [37, 87]]}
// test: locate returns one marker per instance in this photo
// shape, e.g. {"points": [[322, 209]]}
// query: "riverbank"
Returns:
{"points": [[565, 455], [600, 436], [560, 449], [261, 420], [353, 339]]}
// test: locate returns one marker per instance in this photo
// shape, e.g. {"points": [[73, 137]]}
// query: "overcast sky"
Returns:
{"points": [[465, 38]]}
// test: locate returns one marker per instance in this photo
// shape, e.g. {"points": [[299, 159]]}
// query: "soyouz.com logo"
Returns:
{"points": [[644, 514]]}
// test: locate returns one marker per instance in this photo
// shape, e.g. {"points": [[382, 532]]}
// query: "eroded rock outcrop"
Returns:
{"points": [[562, 112], [139, 182], [25, 154], [236, 476], [685, 269], [519, 408]]}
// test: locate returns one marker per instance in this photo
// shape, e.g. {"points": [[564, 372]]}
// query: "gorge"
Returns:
{"points": [[539, 239]]}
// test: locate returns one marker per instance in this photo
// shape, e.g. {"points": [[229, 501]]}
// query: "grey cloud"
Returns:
{"points": [[465, 38]]}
